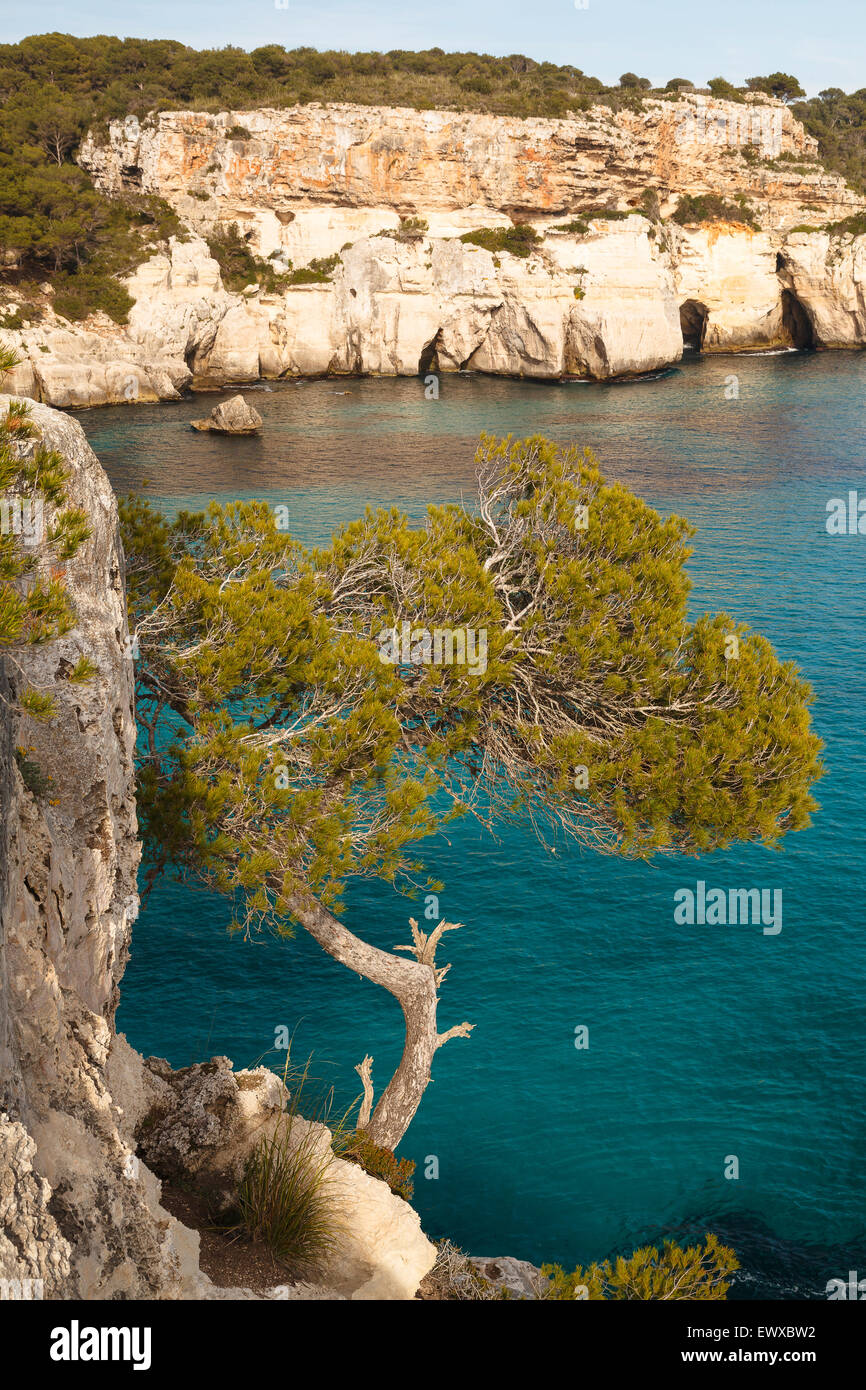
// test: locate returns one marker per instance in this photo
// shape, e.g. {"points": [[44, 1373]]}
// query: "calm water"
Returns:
{"points": [[704, 1041]]}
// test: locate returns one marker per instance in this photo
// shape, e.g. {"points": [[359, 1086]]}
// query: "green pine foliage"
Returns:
{"points": [[292, 757], [697, 1272], [34, 607]]}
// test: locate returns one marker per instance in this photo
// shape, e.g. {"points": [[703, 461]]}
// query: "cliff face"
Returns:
{"points": [[79, 1196], [610, 297], [437, 164], [68, 858]]}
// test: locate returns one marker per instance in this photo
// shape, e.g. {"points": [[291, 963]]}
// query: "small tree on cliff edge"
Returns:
{"points": [[34, 607], [284, 755]]}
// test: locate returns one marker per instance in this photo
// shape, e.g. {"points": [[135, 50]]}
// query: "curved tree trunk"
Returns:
{"points": [[414, 984]]}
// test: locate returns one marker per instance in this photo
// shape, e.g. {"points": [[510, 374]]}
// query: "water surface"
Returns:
{"points": [[704, 1042]]}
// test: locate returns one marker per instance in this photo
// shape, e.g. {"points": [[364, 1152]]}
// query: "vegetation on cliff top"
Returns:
{"points": [[54, 88]]}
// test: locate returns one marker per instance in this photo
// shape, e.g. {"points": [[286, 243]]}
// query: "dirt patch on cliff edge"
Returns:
{"points": [[229, 1258]]}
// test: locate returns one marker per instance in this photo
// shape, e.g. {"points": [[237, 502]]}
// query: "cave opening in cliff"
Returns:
{"points": [[796, 323], [693, 322], [429, 359]]}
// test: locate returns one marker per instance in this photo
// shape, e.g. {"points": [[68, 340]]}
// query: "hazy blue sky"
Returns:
{"points": [[823, 42]]}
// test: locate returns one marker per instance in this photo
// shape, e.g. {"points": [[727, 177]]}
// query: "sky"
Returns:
{"points": [[823, 42]]}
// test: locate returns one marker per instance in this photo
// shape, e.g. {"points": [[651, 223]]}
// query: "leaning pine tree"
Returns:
{"points": [[288, 745]]}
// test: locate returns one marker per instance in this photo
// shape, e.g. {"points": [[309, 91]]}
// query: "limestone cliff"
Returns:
{"points": [[612, 296], [79, 1202]]}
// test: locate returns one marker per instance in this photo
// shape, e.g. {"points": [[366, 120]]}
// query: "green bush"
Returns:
{"points": [[855, 225], [238, 132], [576, 227], [239, 267], [519, 241], [318, 272], [380, 1163], [35, 780], [711, 207], [90, 291]]}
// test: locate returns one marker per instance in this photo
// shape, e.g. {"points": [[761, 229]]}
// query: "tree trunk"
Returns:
{"points": [[414, 984]]}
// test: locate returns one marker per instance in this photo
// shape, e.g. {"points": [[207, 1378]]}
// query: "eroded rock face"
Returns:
{"points": [[78, 1213], [828, 277], [310, 171], [611, 298]]}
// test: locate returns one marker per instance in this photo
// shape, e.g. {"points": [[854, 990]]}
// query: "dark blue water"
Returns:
{"points": [[705, 1042]]}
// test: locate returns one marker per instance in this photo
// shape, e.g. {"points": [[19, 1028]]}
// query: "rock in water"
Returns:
{"points": [[234, 416]]}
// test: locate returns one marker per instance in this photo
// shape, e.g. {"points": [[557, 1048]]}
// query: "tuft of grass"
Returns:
{"points": [[238, 132], [283, 1198]]}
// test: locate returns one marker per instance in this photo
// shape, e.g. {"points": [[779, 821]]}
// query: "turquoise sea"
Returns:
{"points": [[705, 1042]]}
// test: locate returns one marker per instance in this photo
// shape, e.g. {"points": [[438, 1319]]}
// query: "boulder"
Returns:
{"points": [[234, 416], [515, 1278]]}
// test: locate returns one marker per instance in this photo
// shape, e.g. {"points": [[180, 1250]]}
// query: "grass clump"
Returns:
{"points": [[238, 132], [283, 1198]]}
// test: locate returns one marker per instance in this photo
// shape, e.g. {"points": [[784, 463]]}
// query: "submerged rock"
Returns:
{"points": [[234, 416]]}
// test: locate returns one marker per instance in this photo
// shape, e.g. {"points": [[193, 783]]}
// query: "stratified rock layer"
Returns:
{"points": [[605, 292]]}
